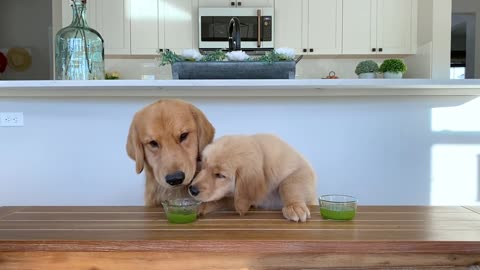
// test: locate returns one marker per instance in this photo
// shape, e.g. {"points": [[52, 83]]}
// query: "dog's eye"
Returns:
{"points": [[184, 136], [219, 175], [153, 144]]}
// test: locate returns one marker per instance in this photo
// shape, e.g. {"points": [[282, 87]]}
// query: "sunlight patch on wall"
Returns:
{"points": [[455, 175], [463, 118]]}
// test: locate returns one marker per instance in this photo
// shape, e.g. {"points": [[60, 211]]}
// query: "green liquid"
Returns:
{"points": [[182, 217], [346, 213]]}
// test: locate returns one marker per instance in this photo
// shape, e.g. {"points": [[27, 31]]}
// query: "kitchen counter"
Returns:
{"points": [[240, 88], [141, 238]]}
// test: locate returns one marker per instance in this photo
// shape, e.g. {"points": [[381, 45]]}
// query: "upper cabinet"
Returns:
{"points": [[162, 24], [379, 26], [309, 26], [236, 3], [113, 23], [145, 26]]}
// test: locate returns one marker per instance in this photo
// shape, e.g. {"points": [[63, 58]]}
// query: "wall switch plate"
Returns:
{"points": [[11, 119]]}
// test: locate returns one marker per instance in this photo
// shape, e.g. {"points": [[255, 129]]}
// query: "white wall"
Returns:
{"points": [[471, 7], [26, 24], [398, 150]]}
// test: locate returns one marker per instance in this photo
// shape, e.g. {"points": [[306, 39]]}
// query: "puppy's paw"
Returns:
{"points": [[296, 212], [205, 208], [242, 206]]}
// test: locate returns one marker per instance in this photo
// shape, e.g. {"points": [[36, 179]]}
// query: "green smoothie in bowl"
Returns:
{"points": [[181, 211], [338, 207]]}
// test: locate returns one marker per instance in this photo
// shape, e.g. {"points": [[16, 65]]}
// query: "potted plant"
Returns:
{"points": [[393, 68], [366, 69]]}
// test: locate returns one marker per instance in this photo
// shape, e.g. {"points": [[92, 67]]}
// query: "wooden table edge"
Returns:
{"points": [[246, 246]]}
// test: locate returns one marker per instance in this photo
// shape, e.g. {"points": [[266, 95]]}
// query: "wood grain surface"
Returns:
{"points": [[380, 237]]}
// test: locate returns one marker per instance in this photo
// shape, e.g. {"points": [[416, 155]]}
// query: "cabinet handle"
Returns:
{"points": [[311, 50], [374, 50], [239, 3], [380, 50], [232, 4], [304, 50]]}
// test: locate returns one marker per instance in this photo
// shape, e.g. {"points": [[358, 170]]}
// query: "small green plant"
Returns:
{"points": [[169, 57], [270, 57], [367, 66], [218, 55], [393, 65]]}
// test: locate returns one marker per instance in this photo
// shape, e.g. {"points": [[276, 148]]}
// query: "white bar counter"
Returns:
{"points": [[240, 88]]}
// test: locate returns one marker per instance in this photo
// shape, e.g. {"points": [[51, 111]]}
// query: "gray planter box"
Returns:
{"points": [[233, 70]]}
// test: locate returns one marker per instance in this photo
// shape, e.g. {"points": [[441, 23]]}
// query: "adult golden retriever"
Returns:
{"points": [[259, 170], [165, 139]]}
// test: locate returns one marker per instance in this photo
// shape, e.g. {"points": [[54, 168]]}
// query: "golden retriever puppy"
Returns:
{"points": [[259, 170], [165, 139]]}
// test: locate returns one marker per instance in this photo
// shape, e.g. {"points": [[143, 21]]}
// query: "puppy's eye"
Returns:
{"points": [[219, 175], [184, 136], [153, 144]]}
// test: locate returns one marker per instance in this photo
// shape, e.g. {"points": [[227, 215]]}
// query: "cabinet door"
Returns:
{"points": [[113, 23], [324, 26], [179, 25], [288, 24], [359, 26], [67, 14], [217, 3], [394, 26], [257, 3], [144, 26]]}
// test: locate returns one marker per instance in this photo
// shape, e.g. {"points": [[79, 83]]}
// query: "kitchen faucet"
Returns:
{"points": [[234, 38]]}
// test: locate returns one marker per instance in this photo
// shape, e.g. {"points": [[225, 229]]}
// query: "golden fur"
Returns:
{"points": [[259, 170], [154, 142]]}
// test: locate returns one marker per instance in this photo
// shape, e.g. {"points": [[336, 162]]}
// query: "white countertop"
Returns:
{"points": [[223, 88]]}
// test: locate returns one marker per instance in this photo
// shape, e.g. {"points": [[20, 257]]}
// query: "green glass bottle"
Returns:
{"points": [[79, 49]]}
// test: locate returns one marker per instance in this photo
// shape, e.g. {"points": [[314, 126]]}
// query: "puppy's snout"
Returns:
{"points": [[175, 178], [193, 190]]}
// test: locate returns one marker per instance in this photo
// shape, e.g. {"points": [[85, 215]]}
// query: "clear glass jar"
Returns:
{"points": [[79, 49]]}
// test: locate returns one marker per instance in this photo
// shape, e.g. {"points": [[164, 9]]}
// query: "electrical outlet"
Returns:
{"points": [[11, 119]]}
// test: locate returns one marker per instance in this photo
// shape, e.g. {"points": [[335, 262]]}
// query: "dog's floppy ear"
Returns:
{"points": [[205, 130], [250, 184], [135, 148]]}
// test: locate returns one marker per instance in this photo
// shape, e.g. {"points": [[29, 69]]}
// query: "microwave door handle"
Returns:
{"points": [[259, 23]]}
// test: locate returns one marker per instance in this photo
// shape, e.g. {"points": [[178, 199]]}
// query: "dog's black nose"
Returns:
{"points": [[193, 190], [175, 178]]}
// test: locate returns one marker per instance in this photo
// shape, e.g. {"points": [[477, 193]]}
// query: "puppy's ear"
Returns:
{"points": [[135, 147], [205, 130], [250, 184]]}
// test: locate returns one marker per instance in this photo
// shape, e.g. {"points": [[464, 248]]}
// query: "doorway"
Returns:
{"points": [[462, 63]]}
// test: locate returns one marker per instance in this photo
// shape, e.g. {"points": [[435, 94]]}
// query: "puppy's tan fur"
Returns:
{"points": [[259, 170], [163, 122]]}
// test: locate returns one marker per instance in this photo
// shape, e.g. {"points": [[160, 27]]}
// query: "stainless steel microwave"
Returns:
{"points": [[256, 28]]}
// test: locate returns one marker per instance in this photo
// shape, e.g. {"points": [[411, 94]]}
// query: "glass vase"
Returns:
{"points": [[79, 49]]}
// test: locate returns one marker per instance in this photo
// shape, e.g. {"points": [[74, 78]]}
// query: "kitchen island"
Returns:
{"points": [[117, 238], [240, 88]]}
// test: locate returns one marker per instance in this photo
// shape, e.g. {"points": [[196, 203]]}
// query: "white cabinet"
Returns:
{"points": [[288, 24], [309, 26], [378, 26], [113, 23], [162, 24], [236, 3], [395, 26], [179, 24], [144, 26], [324, 27]]}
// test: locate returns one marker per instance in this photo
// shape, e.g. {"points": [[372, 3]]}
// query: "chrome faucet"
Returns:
{"points": [[234, 38]]}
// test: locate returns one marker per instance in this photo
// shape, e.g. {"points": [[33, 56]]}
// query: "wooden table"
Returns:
{"points": [[119, 238]]}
